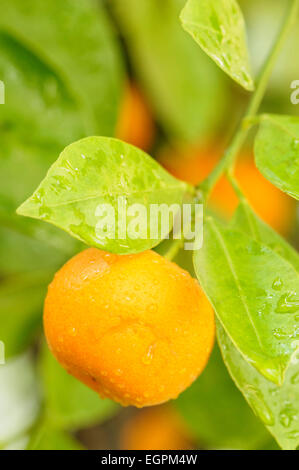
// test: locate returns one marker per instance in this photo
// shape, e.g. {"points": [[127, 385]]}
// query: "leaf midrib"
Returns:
{"points": [[235, 277]]}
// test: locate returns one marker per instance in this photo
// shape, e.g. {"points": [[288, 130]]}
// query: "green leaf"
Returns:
{"points": [[216, 412], [276, 406], [254, 293], [184, 87], [277, 152], [248, 222], [68, 403], [76, 42], [19, 398], [50, 439], [219, 29], [21, 304], [97, 171]]}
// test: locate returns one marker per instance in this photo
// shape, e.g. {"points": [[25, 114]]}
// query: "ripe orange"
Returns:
{"points": [[135, 328], [156, 428], [135, 122], [272, 205]]}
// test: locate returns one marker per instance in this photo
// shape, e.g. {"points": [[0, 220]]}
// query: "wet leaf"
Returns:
{"points": [[248, 222], [277, 152], [219, 29], [277, 407], [68, 403], [99, 180], [254, 292]]}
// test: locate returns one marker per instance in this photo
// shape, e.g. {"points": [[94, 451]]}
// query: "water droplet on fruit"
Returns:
{"points": [[152, 308], [147, 359]]}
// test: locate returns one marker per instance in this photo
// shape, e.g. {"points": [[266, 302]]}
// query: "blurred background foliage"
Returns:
{"points": [[125, 68]]}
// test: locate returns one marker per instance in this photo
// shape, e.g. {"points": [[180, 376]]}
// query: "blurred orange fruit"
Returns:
{"points": [[135, 122], [272, 205], [156, 428], [136, 328]]}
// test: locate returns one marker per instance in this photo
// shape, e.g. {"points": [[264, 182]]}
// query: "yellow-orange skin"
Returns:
{"points": [[272, 205], [156, 428], [135, 123], [136, 329]]}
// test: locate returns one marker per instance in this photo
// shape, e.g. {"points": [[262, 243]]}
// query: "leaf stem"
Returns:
{"points": [[227, 163]]}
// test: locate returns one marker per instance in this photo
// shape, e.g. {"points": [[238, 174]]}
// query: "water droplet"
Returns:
{"points": [[287, 415], [73, 332], [285, 419], [147, 359], [161, 388], [288, 303], [293, 434], [277, 284], [152, 308], [295, 144], [259, 406]]}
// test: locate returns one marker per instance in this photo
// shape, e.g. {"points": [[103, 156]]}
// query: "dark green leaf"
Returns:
{"points": [[277, 152], [75, 41], [219, 29], [185, 88], [255, 295], [276, 406], [217, 414], [95, 172], [68, 403]]}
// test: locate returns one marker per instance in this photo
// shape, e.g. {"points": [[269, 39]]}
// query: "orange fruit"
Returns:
{"points": [[156, 428], [135, 122], [136, 328], [273, 206]]}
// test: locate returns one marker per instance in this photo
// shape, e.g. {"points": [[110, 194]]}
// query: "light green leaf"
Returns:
{"points": [[217, 414], [68, 403], [99, 171], [277, 152], [185, 88], [254, 292], [50, 439], [218, 27], [248, 222], [277, 407], [19, 398]]}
